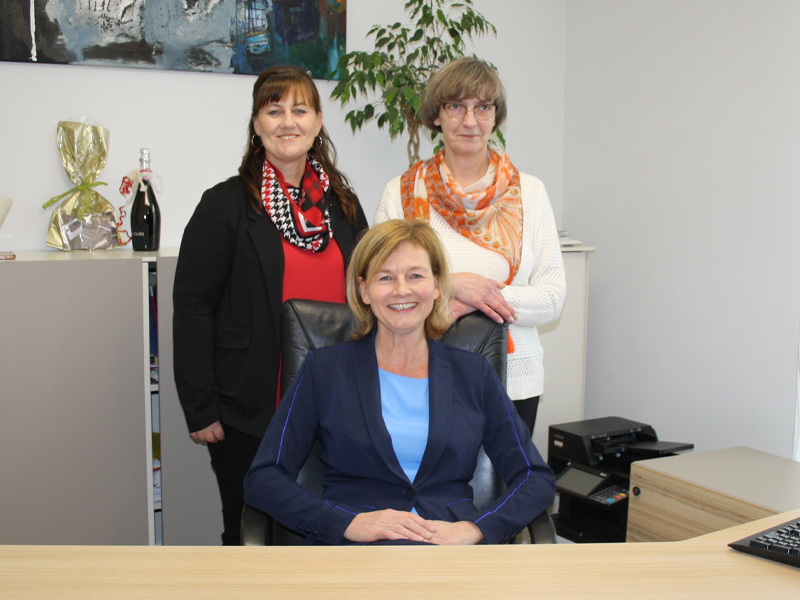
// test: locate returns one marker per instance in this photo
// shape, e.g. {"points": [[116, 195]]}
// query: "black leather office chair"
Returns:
{"points": [[308, 325]]}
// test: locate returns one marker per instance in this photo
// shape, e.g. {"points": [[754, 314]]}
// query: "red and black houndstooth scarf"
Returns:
{"points": [[300, 214]]}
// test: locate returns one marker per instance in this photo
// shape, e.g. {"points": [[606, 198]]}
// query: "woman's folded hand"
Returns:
{"points": [[461, 532], [389, 524]]}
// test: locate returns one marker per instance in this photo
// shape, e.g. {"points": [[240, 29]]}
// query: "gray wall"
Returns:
{"points": [[682, 143]]}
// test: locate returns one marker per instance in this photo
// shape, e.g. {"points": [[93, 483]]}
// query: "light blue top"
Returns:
{"points": [[404, 403]]}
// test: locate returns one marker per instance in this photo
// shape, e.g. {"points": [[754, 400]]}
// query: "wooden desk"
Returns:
{"points": [[700, 568], [684, 496]]}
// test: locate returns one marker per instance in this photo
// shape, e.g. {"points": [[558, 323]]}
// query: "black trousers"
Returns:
{"points": [[527, 410], [231, 458]]}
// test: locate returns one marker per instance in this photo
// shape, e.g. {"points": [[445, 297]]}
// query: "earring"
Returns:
{"points": [[253, 141]]}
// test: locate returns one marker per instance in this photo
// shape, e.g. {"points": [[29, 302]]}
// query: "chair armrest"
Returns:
{"points": [[542, 529], [256, 527]]}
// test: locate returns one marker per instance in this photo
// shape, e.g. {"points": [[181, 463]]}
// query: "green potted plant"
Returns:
{"points": [[404, 58]]}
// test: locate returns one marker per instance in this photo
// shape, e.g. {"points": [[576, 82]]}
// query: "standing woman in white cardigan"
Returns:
{"points": [[496, 223]]}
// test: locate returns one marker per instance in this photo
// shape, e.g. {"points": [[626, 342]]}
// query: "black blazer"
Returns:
{"points": [[227, 305], [335, 398]]}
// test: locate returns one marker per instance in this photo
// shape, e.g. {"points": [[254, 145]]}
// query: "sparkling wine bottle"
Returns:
{"points": [[145, 214]]}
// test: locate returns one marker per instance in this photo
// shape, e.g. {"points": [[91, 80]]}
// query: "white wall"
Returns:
{"points": [[668, 134], [681, 165], [195, 123]]}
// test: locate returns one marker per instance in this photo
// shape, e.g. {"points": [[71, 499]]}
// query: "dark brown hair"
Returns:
{"points": [[271, 86]]}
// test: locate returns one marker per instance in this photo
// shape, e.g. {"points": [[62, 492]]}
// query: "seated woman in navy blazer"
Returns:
{"points": [[400, 417]]}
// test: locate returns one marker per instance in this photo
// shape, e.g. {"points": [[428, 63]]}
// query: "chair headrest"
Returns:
{"points": [[310, 324]]}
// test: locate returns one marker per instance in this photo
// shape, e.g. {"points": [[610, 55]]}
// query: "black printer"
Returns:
{"points": [[592, 462]]}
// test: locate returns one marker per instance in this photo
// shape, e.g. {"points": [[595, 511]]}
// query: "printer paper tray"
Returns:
{"points": [[650, 449]]}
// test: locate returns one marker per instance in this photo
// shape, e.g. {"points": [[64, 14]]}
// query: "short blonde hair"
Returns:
{"points": [[372, 251], [463, 78]]}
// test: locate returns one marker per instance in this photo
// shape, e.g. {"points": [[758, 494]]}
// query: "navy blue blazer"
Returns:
{"points": [[335, 398]]}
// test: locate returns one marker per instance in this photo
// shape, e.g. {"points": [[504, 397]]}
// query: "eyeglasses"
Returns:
{"points": [[457, 110]]}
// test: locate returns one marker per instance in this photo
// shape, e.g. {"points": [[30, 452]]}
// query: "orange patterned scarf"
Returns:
{"points": [[491, 217]]}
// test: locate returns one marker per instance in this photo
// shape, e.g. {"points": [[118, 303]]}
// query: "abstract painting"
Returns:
{"points": [[223, 36]]}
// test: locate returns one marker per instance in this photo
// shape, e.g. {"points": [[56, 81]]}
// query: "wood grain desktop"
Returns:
{"points": [[703, 567], [680, 497]]}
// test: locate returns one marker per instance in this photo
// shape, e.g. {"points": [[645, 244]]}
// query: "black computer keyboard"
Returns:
{"points": [[780, 543]]}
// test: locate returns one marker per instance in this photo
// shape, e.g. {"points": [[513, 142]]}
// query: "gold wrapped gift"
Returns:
{"points": [[84, 220]]}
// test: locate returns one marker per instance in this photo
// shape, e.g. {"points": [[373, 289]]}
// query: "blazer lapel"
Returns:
{"points": [[365, 374], [440, 384]]}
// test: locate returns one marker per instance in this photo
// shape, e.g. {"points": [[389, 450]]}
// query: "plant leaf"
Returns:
{"points": [[402, 61]]}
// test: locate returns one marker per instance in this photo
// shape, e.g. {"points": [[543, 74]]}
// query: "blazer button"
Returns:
{"points": [[409, 495]]}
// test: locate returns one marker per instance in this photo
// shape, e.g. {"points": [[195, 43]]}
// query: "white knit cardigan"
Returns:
{"points": [[536, 293]]}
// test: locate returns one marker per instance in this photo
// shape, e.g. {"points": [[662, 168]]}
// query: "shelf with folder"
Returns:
{"points": [[155, 411]]}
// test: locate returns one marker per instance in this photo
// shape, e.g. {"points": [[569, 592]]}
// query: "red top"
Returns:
{"points": [[312, 276]]}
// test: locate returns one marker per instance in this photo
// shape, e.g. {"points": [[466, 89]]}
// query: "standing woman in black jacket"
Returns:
{"points": [[283, 228]]}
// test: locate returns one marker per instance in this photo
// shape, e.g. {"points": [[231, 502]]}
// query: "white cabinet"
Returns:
{"points": [[564, 343], [75, 433], [78, 410]]}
